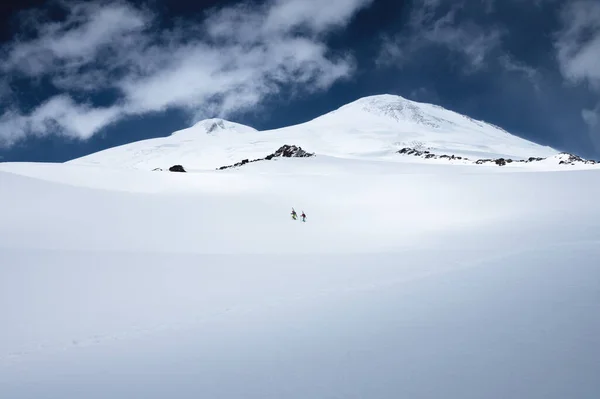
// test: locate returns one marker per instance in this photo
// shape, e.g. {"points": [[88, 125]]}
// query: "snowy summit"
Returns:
{"points": [[214, 126], [372, 128]]}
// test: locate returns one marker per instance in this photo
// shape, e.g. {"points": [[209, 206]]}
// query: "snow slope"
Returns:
{"points": [[373, 128], [409, 280]]}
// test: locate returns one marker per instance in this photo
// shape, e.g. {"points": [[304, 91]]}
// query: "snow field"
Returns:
{"points": [[408, 280], [412, 278]]}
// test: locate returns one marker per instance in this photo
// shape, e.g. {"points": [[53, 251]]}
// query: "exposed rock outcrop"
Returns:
{"points": [[563, 158], [286, 151], [570, 159], [291, 151], [176, 168]]}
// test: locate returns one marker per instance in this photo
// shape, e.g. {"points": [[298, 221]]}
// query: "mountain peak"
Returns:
{"points": [[381, 98], [400, 109], [214, 126]]}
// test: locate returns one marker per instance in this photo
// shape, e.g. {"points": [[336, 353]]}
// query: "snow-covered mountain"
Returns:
{"points": [[409, 279], [372, 128]]}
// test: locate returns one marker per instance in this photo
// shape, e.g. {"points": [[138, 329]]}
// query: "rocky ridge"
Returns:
{"points": [[286, 151], [563, 158]]}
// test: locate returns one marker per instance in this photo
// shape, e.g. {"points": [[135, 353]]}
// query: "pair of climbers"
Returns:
{"points": [[295, 215]]}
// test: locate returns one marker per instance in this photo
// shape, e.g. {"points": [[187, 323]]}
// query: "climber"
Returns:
{"points": [[294, 215], [303, 216]]}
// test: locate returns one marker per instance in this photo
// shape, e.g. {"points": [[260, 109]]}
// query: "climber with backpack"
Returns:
{"points": [[294, 215], [303, 216]]}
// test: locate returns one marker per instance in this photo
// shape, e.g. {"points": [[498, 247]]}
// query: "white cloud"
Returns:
{"points": [[424, 94], [432, 23], [88, 29], [591, 117], [578, 43], [255, 65], [316, 15], [512, 65], [231, 61], [578, 52], [455, 27], [60, 115], [72, 119]]}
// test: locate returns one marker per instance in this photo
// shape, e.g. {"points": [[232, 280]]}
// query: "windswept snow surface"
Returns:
{"points": [[372, 128], [407, 281]]}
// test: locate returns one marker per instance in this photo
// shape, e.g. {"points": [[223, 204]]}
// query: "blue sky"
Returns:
{"points": [[78, 77]]}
